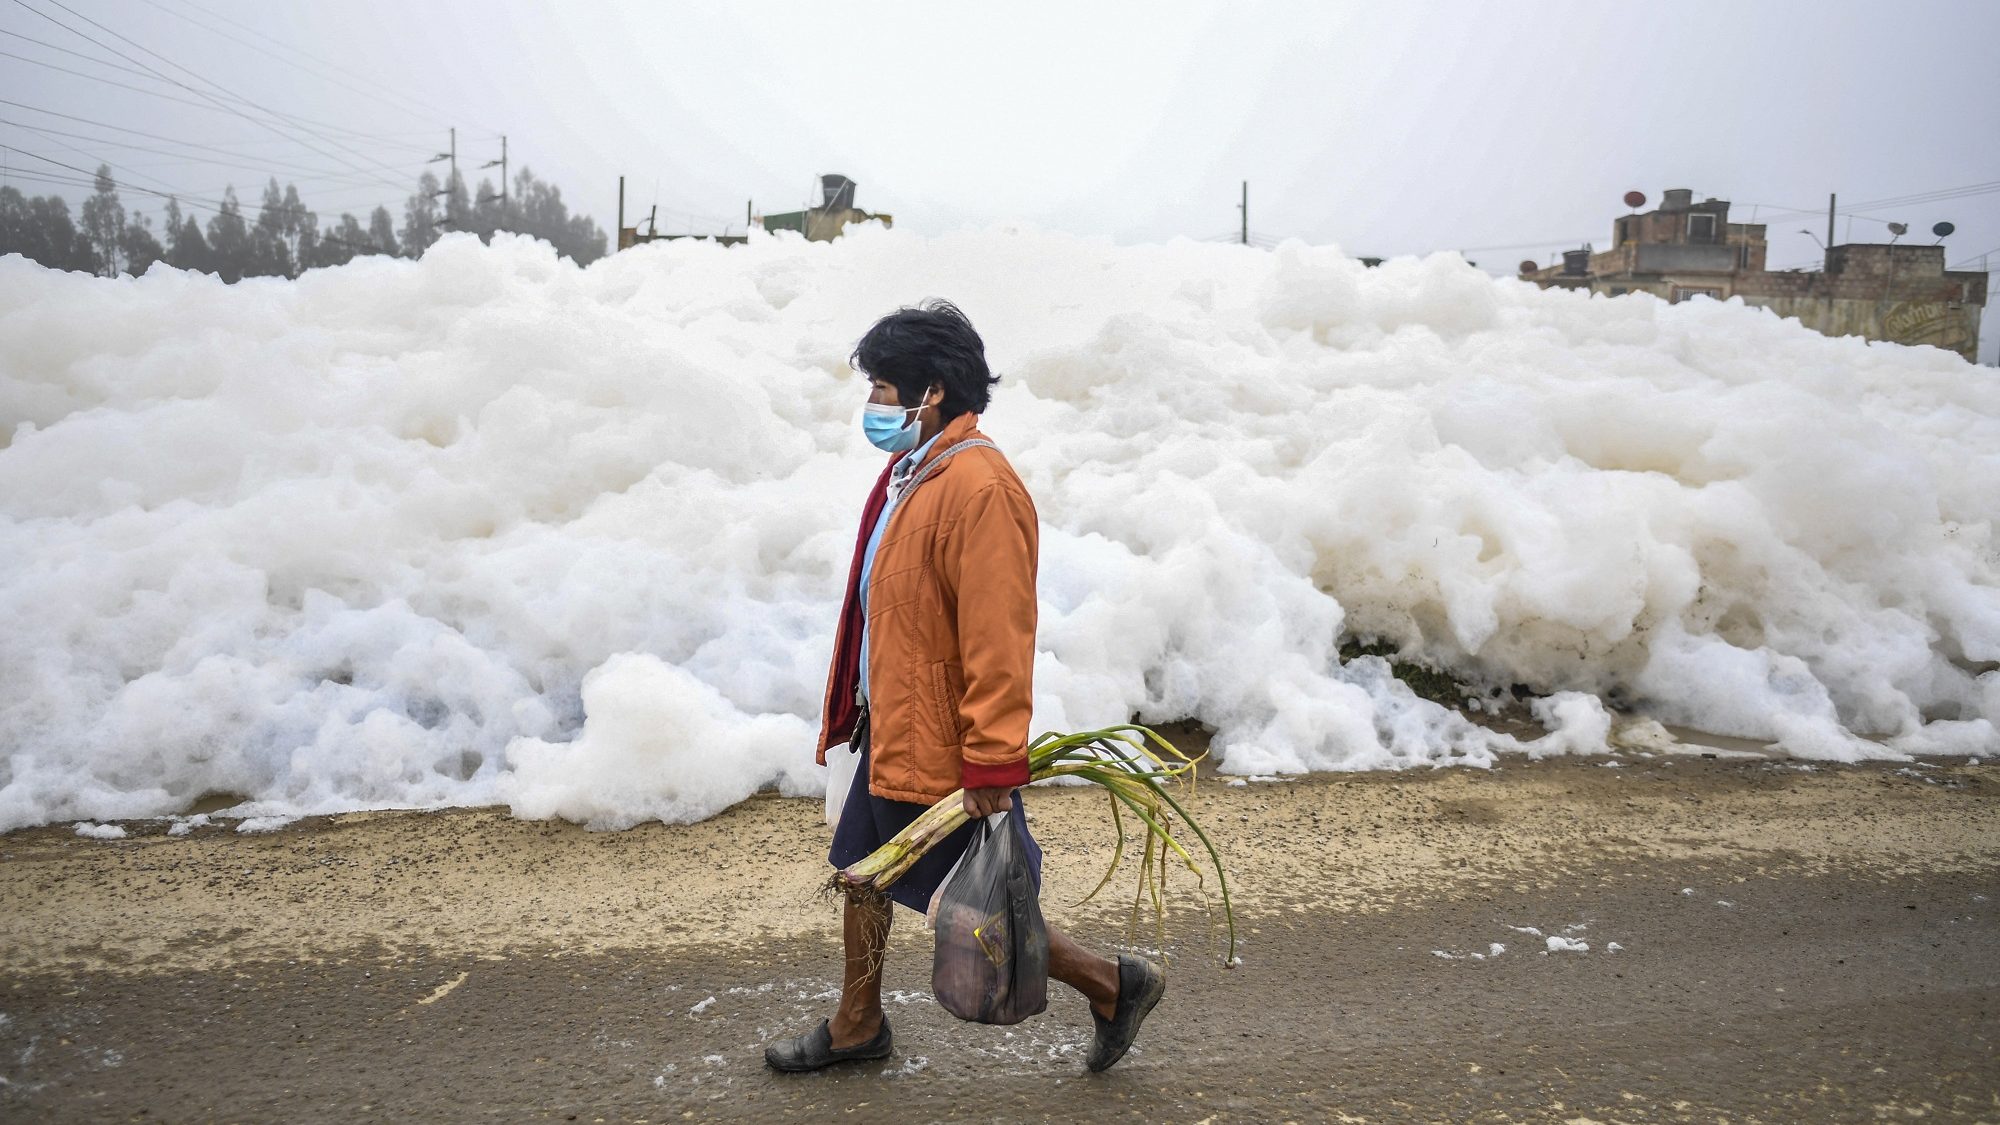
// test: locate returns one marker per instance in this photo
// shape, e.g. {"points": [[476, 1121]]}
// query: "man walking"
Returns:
{"points": [[933, 665]]}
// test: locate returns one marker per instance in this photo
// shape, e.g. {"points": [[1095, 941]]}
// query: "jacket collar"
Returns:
{"points": [[955, 431]]}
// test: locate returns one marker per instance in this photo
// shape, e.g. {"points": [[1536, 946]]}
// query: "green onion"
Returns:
{"points": [[1140, 772]]}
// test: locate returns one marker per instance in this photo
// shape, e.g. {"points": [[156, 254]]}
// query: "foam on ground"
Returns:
{"points": [[385, 536]]}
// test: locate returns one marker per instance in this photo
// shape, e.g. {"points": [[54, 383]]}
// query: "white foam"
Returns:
{"points": [[486, 528], [1558, 944], [251, 825]]}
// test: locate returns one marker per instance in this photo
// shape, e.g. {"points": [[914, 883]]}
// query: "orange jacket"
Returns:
{"points": [[951, 630]]}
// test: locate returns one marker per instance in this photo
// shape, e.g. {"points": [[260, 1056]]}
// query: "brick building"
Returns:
{"points": [[1685, 249]]}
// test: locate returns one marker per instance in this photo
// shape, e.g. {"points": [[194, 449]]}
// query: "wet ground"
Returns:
{"points": [[1765, 942]]}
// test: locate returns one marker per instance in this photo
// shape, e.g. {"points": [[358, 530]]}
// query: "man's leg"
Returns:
{"points": [[865, 930], [1121, 993], [1096, 977]]}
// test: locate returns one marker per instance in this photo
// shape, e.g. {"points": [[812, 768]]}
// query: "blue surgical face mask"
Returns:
{"points": [[891, 429]]}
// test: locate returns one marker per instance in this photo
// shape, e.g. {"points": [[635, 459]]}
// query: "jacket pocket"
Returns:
{"points": [[945, 696]]}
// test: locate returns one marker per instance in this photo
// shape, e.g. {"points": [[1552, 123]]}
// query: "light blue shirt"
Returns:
{"points": [[898, 477]]}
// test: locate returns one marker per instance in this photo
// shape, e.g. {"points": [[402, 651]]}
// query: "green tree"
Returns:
{"points": [[138, 246], [286, 238], [539, 210], [301, 230], [382, 231], [457, 204], [39, 229], [270, 241], [230, 252], [421, 218], [345, 242], [486, 214], [186, 248], [104, 224]]}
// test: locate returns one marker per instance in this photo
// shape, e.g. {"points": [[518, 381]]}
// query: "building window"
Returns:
{"points": [[1618, 291], [1690, 292], [1701, 226]]}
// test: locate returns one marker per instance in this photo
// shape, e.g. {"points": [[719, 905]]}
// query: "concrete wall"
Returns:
{"points": [[1941, 324], [1877, 291], [1691, 256]]}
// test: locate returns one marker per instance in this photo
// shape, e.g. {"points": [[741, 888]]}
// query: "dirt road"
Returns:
{"points": [[1766, 942]]}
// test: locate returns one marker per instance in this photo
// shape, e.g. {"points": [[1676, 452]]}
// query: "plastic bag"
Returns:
{"points": [[991, 964], [842, 763]]}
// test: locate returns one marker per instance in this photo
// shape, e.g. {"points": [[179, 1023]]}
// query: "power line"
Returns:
{"points": [[1934, 196], [89, 174], [106, 81], [1938, 195], [174, 81], [266, 167], [97, 77], [43, 177], [154, 135], [324, 62], [90, 180], [335, 178], [1519, 245], [378, 91], [385, 139], [106, 163], [66, 51], [1979, 257], [229, 94]]}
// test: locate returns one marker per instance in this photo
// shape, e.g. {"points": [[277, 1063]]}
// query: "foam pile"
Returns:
{"points": [[486, 528]]}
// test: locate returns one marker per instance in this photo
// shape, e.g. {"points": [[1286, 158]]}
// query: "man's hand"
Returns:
{"points": [[986, 802]]}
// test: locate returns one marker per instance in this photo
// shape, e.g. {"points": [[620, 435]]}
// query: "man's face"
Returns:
{"points": [[881, 392]]}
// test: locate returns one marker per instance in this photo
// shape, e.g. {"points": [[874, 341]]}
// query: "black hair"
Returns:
{"points": [[933, 342]]}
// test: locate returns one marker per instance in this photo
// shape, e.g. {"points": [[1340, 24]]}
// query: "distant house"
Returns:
{"points": [[825, 222], [1684, 249]]}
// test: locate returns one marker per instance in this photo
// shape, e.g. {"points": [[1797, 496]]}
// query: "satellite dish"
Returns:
{"points": [[1899, 229], [1942, 230], [1529, 265], [1635, 199]]}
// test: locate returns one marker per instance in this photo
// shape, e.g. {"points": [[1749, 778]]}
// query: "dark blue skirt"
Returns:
{"points": [[867, 822]]}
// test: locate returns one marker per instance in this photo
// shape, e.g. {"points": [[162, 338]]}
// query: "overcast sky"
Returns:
{"points": [[1506, 130]]}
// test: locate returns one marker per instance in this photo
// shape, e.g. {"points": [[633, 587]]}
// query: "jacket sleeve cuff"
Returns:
{"points": [[1010, 775]]}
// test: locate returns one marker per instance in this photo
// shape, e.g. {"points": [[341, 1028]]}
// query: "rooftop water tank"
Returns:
{"points": [[838, 191]]}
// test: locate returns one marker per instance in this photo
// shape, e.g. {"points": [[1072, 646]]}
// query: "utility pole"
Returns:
{"points": [[1244, 207], [1829, 220], [502, 162], [1983, 313], [620, 239], [450, 154]]}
